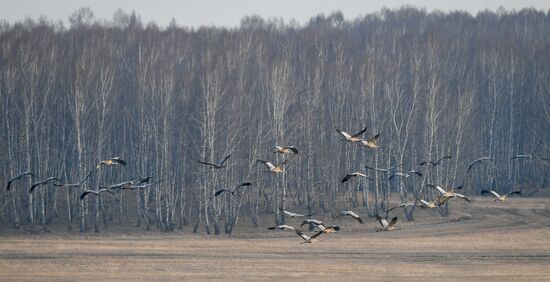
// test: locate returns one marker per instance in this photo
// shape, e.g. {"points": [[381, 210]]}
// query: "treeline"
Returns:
{"points": [[432, 84]]}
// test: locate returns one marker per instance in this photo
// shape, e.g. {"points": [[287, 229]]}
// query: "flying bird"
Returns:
{"points": [[328, 229], [215, 166], [401, 205], [449, 194], [352, 138], [350, 213], [371, 143], [282, 227], [436, 163], [432, 205], [385, 225], [43, 182], [286, 150], [128, 184], [353, 174], [272, 168], [479, 160], [308, 239], [17, 177], [232, 191], [406, 174], [74, 184], [111, 161], [500, 198], [86, 192], [529, 156], [385, 170], [292, 214], [311, 221]]}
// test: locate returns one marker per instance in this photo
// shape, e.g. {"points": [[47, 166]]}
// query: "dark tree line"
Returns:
{"points": [[432, 84]]}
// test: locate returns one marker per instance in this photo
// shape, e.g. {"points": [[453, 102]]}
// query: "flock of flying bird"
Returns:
{"points": [[138, 183], [371, 143]]}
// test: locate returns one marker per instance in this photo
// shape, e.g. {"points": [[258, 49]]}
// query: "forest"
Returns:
{"points": [[432, 84]]}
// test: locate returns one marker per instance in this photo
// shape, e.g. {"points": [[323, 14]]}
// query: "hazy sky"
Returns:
{"points": [[230, 12]]}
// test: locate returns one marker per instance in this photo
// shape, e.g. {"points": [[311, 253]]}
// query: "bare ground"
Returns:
{"points": [[484, 240]]}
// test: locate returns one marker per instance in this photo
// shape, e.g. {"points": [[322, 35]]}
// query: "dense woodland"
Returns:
{"points": [[432, 84]]}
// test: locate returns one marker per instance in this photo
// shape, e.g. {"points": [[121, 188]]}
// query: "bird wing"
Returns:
{"points": [[228, 156], [415, 172], [86, 192], [461, 197], [438, 188], [440, 201], [220, 191], [492, 192], [427, 162], [347, 136], [378, 169], [424, 202], [392, 222], [532, 152], [359, 133], [316, 235], [293, 149], [210, 164], [354, 215], [118, 161], [513, 192], [479, 160], [348, 176], [241, 185], [268, 164], [304, 236], [445, 157], [382, 221], [374, 139], [393, 208]]}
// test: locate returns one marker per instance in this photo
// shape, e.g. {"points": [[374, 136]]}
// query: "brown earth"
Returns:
{"points": [[484, 240]]}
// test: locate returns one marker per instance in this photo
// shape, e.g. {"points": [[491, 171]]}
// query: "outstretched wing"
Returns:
{"points": [[293, 149], [348, 176], [228, 156], [374, 139], [438, 188], [266, 163], [513, 192], [490, 192], [119, 161], [209, 164], [359, 133], [415, 172], [392, 222], [241, 185], [221, 191], [382, 221], [345, 134]]}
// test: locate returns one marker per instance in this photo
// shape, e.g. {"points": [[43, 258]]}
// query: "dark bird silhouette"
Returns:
{"points": [[406, 174], [436, 163], [528, 156], [74, 184], [219, 192], [401, 205], [353, 174], [371, 143], [216, 166], [111, 161], [286, 150], [479, 160], [43, 182], [352, 214], [308, 239], [500, 198], [385, 225], [352, 138], [385, 170], [17, 177], [272, 168], [86, 192]]}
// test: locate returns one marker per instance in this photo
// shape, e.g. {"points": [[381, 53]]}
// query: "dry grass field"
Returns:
{"points": [[484, 240]]}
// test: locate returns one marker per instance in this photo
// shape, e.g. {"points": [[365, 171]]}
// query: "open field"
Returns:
{"points": [[478, 241]]}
